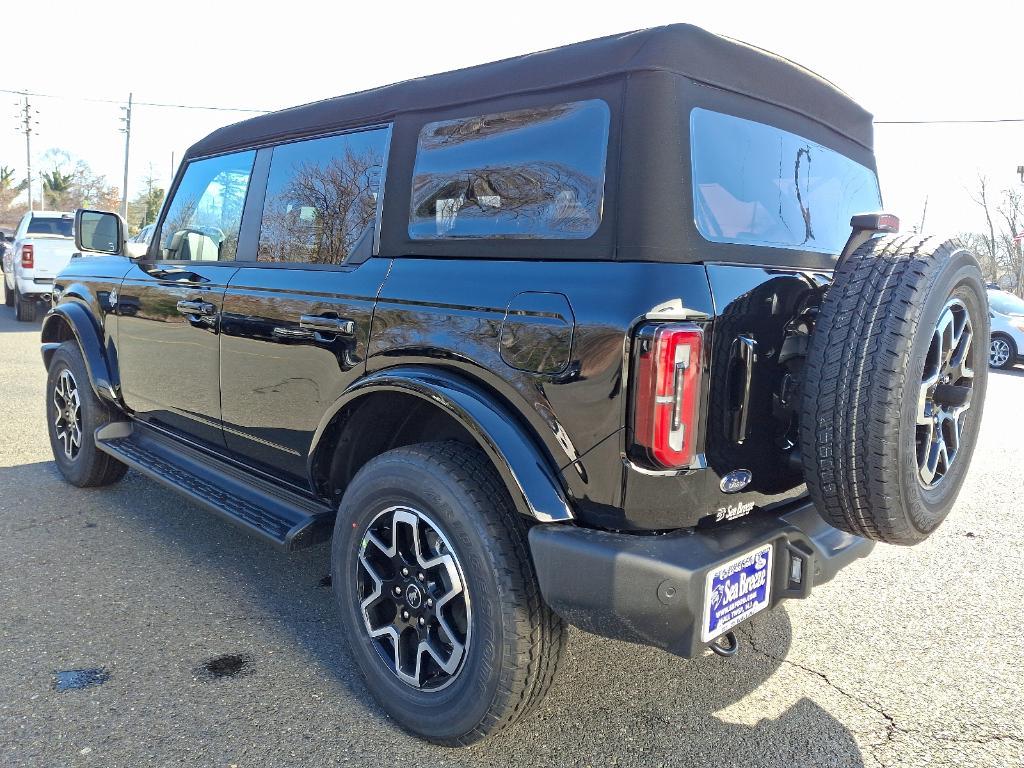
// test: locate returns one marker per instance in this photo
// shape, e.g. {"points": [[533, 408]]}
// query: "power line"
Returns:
{"points": [[120, 102], [950, 122]]}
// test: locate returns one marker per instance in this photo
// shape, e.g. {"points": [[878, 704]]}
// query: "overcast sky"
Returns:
{"points": [[900, 60]]}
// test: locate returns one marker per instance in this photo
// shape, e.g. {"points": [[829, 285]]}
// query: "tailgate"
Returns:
{"points": [[51, 254], [762, 326]]}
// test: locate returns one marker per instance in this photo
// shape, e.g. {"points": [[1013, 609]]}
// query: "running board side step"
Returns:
{"points": [[289, 520]]}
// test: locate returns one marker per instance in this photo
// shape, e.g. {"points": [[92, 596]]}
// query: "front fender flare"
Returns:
{"points": [[89, 339], [528, 474]]}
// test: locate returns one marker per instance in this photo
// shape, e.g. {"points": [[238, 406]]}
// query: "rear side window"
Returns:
{"points": [[754, 184], [529, 173], [322, 198], [63, 226], [205, 214]]}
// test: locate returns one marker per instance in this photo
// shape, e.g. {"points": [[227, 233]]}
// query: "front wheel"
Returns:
{"points": [[74, 413], [438, 594], [1002, 352]]}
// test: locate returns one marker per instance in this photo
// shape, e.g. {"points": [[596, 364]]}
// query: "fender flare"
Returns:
{"points": [[528, 474], [89, 339]]}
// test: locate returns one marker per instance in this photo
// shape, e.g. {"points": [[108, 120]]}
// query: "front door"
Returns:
{"points": [[169, 305], [296, 317]]}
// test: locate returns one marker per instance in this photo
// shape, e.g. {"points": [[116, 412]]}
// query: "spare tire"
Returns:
{"points": [[894, 386]]}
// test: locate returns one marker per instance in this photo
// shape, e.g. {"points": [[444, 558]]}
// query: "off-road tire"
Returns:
{"points": [[91, 467], [516, 641], [8, 295], [863, 379], [24, 310]]}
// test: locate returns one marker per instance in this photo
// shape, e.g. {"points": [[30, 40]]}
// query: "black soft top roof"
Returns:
{"points": [[679, 48]]}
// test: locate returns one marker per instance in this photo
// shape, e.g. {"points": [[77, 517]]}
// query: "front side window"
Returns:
{"points": [[754, 184], [204, 217], [529, 173], [322, 194]]}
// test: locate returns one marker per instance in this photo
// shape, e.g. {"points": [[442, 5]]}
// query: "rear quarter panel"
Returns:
{"points": [[450, 312]]}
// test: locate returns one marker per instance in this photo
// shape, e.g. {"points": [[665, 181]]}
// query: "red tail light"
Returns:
{"points": [[666, 393], [28, 257]]}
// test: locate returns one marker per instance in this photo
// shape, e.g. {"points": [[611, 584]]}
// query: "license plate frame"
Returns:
{"points": [[736, 590]]}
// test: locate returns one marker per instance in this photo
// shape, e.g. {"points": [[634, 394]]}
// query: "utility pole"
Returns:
{"points": [[127, 146], [26, 123], [924, 213]]}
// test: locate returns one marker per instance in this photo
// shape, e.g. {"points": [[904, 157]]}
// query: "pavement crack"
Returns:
{"points": [[891, 726]]}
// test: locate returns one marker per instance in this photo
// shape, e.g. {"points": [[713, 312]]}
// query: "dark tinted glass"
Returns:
{"points": [[203, 219], [534, 173], [321, 202], [51, 225], [758, 185]]}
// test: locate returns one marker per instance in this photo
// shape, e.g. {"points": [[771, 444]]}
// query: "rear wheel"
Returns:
{"points": [[24, 310], [894, 387], [73, 414], [1002, 352], [438, 594], [8, 295]]}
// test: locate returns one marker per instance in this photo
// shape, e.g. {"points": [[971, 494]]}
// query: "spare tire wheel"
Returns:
{"points": [[894, 387]]}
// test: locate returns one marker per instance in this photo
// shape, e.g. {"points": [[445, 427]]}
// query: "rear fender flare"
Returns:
{"points": [[528, 474], [90, 340]]}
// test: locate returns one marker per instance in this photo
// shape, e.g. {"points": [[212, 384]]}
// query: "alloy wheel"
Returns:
{"points": [[67, 423], [945, 395], [998, 353], [413, 598]]}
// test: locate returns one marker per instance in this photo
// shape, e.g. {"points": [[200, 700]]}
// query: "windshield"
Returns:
{"points": [[1005, 303], [758, 185], [51, 225]]}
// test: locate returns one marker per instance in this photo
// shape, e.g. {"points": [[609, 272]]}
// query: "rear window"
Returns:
{"points": [[529, 173], [51, 225], [758, 185]]}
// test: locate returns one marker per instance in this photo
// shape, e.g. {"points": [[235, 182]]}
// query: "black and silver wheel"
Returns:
{"points": [[894, 387], [945, 396], [413, 598], [1002, 352], [73, 414], [67, 423], [438, 595]]}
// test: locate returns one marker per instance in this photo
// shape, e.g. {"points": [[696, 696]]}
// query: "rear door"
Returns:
{"points": [[768, 196], [169, 304], [297, 313]]}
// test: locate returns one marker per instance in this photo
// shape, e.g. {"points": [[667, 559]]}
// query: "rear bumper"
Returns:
{"points": [[650, 589]]}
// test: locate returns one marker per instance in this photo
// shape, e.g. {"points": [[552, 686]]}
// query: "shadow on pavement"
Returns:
{"points": [[623, 703]]}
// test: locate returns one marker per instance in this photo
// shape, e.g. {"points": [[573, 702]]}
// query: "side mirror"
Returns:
{"points": [[99, 231]]}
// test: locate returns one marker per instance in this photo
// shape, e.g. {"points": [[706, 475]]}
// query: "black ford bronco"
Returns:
{"points": [[613, 335]]}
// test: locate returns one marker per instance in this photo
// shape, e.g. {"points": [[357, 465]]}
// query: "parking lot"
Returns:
{"points": [[215, 650]]}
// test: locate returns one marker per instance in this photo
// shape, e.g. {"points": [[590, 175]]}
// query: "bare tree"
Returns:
{"points": [[998, 248]]}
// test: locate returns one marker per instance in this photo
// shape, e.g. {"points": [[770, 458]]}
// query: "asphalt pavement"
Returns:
{"points": [[138, 630]]}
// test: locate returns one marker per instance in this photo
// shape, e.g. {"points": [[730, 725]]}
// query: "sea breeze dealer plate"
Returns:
{"points": [[736, 591]]}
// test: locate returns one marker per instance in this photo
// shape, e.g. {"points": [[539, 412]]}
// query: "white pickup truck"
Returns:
{"points": [[42, 247]]}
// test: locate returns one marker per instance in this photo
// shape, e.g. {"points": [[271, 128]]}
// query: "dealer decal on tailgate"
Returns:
{"points": [[736, 591]]}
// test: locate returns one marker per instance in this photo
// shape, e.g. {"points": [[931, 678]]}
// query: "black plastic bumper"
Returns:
{"points": [[650, 589]]}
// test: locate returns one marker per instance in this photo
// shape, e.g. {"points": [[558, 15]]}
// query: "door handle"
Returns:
{"points": [[203, 308], [743, 354], [324, 324]]}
